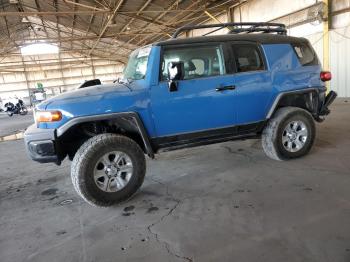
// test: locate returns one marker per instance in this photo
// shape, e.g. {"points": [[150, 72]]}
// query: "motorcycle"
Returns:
{"points": [[15, 106]]}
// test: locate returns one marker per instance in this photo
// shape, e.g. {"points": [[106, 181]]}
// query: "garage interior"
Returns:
{"points": [[223, 202]]}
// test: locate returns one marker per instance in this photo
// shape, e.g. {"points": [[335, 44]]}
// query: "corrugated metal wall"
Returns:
{"points": [[19, 74], [339, 44], [340, 61]]}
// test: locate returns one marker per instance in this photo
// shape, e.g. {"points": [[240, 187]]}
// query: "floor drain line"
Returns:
{"points": [[66, 202]]}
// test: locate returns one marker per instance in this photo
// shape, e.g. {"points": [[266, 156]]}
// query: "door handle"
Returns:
{"points": [[223, 88]]}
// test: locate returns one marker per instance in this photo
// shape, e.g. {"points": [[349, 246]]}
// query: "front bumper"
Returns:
{"points": [[40, 144]]}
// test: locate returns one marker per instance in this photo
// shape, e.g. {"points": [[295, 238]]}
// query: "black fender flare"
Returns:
{"points": [[132, 117], [313, 98]]}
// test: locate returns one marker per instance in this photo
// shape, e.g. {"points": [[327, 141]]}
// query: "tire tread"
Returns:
{"points": [[87, 150], [270, 132]]}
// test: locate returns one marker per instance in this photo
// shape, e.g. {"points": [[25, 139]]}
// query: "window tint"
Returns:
{"points": [[305, 54], [199, 61], [247, 58]]}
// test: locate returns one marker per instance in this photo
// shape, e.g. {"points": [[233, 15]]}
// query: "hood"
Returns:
{"points": [[100, 99], [91, 92]]}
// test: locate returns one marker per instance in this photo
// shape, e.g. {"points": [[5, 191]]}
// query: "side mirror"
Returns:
{"points": [[176, 71]]}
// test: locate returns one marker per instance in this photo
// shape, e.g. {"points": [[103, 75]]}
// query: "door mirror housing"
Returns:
{"points": [[176, 72]]}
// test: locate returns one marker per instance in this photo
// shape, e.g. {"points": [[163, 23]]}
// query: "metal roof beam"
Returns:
{"points": [[83, 5], [106, 26]]}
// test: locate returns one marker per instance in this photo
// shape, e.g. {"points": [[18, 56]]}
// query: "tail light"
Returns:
{"points": [[325, 76]]}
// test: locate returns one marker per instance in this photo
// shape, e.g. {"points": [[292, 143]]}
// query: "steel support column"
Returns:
{"points": [[326, 27]]}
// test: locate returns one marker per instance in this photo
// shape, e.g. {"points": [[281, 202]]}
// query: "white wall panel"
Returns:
{"points": [[222, 18], [266, 10], [53, 75], [339, 58], [340, 61]]}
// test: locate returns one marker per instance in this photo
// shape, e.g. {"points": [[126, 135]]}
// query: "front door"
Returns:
{"points": [[204, 99]]}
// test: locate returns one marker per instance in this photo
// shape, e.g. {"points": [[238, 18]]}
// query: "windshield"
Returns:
{"points": [[137, 65]]}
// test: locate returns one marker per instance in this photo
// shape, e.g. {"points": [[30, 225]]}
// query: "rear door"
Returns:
{"points": [[252, 81]]}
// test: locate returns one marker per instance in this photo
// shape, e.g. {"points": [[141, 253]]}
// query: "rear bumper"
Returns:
{"points": [[323, 108], [327, 102], [40, 144]]}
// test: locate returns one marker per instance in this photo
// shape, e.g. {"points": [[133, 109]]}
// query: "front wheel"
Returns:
{"points": [[108, 169], [290, 133]]}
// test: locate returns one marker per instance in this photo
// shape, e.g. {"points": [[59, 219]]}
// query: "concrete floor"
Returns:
{"points": [[14, 124], [225, 202]]}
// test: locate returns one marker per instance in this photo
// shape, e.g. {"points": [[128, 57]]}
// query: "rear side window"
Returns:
{"points": [[247, 58], [305, 54]]}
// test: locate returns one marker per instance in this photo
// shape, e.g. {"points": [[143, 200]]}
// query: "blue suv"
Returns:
{"points": [[255, 82]]}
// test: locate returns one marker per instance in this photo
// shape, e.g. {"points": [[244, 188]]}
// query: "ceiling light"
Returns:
{"points": [[39, 49], [25, 20]]}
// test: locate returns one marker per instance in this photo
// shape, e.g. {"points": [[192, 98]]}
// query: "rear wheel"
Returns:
{"points": [[108, 169], [289, 134]]}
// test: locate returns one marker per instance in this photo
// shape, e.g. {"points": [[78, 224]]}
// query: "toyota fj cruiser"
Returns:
{"points": [[253, 82]]}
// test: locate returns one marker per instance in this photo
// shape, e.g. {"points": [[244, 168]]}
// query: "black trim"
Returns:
{"points": [[43, 151], [43, 145], [314, 99], [256, 38], [127, 115], [306, 91], [206, 137], [236, 28], [40, 144], [329, 99], [144, 134]]}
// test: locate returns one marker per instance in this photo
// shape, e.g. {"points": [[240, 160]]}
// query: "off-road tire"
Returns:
{"points": [[272, 133], [85, 160]]}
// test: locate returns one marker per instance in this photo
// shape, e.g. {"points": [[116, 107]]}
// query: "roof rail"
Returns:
{"points": [[236, 28]]}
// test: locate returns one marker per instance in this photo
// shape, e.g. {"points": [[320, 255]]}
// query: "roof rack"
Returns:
{"points": [[237, 28]]}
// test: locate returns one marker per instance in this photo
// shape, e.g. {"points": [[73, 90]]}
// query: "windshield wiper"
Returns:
{"points": [[130, 80], [120, 81]]}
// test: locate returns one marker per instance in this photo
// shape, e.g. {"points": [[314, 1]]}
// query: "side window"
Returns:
{"points": [[305, 54], [199, 61], [247, 58]]}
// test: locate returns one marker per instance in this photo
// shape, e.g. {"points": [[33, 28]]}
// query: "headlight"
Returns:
{"points": [[47, 116]]}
